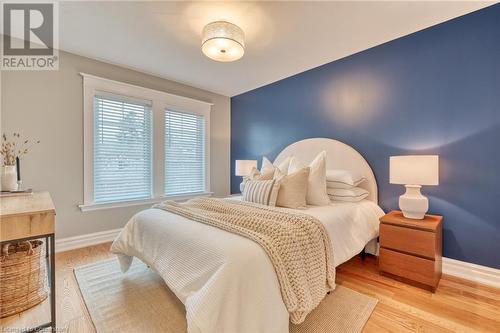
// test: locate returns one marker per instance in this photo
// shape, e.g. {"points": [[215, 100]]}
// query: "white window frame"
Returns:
{"points": [[160, 101]]}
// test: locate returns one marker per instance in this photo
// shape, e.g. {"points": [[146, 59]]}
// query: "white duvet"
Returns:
{"points": [[226, 281]]}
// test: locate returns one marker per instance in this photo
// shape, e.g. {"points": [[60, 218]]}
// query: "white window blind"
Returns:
{"points": [[122, 149], [184, 153]]}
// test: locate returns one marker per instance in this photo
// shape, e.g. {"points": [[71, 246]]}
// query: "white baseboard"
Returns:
{"points": [[76, 242], [472, 272], [465, 270]]}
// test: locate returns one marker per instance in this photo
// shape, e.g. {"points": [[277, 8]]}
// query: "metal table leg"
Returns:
{"points": [[52, 283]]}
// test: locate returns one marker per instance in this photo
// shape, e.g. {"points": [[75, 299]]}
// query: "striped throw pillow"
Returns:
{"points": [[264, 192]]}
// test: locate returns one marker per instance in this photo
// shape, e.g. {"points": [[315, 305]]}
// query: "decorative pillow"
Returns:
{"points": [[255, 174], [354, 194], [264, 192], [316, 185], [293, 188], [343, 179], [268, 168]]}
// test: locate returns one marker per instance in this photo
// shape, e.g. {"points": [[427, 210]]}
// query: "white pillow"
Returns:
{"points": [[267, 169], [337, 178], [316, 183], [354, 194]]}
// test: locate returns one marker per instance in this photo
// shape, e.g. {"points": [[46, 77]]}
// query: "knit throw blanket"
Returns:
{"points": [[297, 244]]}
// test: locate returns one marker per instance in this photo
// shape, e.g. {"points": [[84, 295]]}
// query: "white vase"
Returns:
{"points": [[9, 178]]}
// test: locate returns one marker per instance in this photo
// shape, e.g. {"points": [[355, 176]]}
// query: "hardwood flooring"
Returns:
{"points": [[457, 306]]}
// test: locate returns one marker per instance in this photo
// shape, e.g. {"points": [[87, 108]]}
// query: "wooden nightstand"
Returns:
{"points": [[411, 250]]}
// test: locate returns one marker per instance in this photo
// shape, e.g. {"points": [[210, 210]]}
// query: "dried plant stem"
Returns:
{"points": [[14, 148]]}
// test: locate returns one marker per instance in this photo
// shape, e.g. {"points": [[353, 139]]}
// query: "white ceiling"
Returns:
{"points": [[282, 38]]}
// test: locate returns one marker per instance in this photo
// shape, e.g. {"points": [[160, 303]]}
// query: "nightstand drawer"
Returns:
{"points": [[407, 266], [418, 242]]}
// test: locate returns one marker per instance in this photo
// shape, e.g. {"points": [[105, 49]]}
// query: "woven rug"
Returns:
{"points": [[139, 301]]}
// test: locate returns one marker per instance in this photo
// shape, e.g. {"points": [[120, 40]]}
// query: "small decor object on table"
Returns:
{"points": [[411, 250], [12, 151], [9, 178]]}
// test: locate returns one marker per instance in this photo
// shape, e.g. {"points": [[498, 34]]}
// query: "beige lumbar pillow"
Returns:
{"points": [[293, 188], [316, 185]]}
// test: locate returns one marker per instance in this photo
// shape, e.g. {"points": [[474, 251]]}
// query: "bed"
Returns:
{"points": [[227, 282]]}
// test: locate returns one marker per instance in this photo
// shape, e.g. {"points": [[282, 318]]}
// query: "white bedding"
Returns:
{"points": [[350, 225], [226, 281]]}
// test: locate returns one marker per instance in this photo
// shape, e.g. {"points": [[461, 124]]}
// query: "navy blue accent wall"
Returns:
{"points": [[436, 91]]}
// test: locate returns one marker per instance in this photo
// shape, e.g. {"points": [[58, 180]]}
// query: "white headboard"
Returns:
{"points": [[338, 156]]}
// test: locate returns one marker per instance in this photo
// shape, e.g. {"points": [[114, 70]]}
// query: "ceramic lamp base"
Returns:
{"points": [[413, 204]]}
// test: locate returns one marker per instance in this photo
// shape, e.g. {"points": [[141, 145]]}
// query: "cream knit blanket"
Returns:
{"points": [[297, 244]]}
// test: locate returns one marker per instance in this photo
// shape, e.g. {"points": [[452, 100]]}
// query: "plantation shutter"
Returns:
{"points": [[184, 153], [122, 149]]}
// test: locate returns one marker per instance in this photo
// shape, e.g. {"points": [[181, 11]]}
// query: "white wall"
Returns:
{"points": [[47, 106]]}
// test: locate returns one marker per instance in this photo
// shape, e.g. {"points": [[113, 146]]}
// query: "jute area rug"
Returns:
{"points": [[139, 301]]}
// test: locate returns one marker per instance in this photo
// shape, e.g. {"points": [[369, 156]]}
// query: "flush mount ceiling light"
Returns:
{"points": [[223, 41]]}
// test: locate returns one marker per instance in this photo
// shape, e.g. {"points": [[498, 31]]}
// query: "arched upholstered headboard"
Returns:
{"points": [[338, 156]]}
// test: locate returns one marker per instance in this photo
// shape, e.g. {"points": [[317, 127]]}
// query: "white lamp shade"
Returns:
{"points": [[414, 170], [244, 167]]}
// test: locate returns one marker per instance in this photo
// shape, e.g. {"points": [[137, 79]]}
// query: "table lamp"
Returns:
{"points": [[413, 171], [244, 168]]}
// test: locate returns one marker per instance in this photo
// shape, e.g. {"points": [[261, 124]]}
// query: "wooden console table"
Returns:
{"points": [[29, 217]]}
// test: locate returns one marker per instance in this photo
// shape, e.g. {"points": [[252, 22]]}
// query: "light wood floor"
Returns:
{"points": [[457, 305]]}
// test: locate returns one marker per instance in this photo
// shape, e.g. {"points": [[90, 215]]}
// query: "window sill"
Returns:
{"points": [[121, 204]]}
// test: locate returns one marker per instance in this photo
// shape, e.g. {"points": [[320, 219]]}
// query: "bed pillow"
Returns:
{"points": [[316, 185], [268, 168], [293, 188], [264, 192], [354, 194], [337, 178], [255, 174]]}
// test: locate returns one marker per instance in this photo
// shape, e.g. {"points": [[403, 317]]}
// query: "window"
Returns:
{"points": [[122, 149], [184, 153], [141, 145]]}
